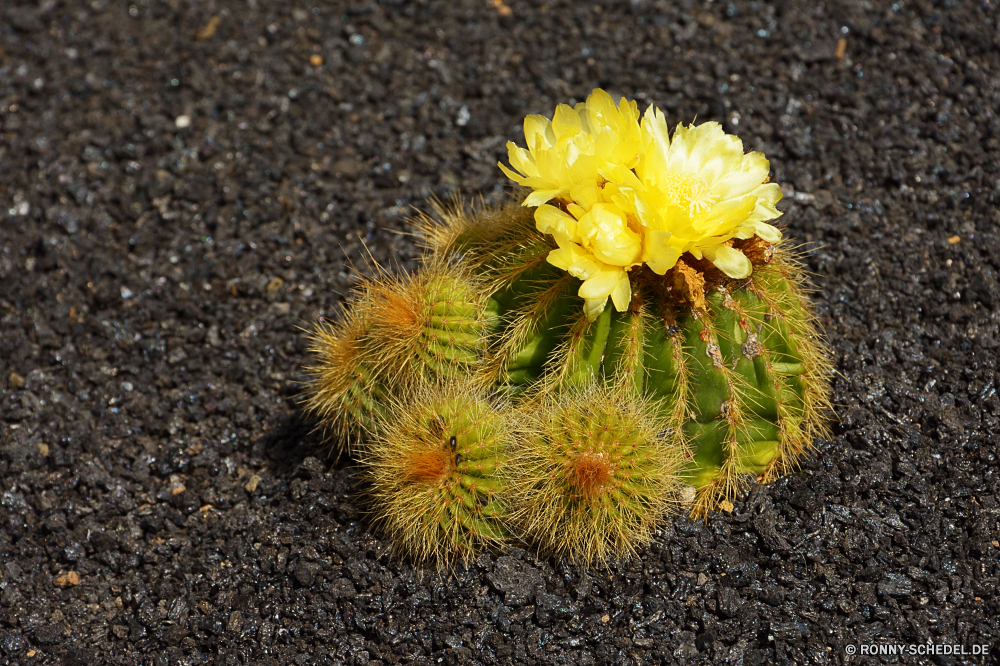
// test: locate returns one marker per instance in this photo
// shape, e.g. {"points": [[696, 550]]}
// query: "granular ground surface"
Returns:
{"points": [[185, 184]]}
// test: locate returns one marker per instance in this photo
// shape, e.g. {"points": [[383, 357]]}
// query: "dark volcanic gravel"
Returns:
{"points": [[183, 184]]}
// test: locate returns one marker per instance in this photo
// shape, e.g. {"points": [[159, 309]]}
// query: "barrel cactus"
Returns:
{"points": [[631, 263]]}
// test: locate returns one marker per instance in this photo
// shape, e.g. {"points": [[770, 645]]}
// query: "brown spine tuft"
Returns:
{"points": [[589, 472], [429, 466]]}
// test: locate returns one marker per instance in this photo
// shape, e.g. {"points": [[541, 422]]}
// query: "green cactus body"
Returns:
{"points": [[398, 334], [436, 470], [742, 382], [451, 338]]}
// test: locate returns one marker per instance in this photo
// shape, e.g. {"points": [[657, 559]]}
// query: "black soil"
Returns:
{"points": [[185, 184]]}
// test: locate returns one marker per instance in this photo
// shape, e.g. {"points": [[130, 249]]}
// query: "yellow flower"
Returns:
{"points": [[704, 191], [575, 146], [627, 193]]}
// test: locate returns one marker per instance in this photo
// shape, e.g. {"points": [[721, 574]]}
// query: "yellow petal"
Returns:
{"points": [[767, 195], [621, 295], [551, 220], [654, 122], [593, 307], [744, 180], [603, 230], [658, 253], [730, 261], [521, 159], [585, 193], [685, 141], [576, 210], [653, 165], [537, 128], [716, 160], [586, 268], [619, 174], [576, 261], [600, 108], [767, 232], [602, 283], [584, 168], [540, 183], [707, 140], [609, 281], [724, 217], [538, 197], [565, 122], [516, 177], [568, 255], [633, 201]]}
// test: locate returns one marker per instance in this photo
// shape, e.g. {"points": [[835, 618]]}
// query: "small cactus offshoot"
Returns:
{"points": [[425, 327], [595, 472], [706, 372], [397, 334], [437, 473], [345, 391]]}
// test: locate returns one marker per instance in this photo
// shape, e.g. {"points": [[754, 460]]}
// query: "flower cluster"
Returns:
{"points": [[617, 191]]}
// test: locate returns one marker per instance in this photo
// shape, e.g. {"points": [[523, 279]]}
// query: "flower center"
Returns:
{"points": [[688, 191]]}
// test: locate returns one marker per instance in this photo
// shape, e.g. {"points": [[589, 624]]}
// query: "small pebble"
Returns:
{"points": [[316, 60], [841, 48], [208, 30], [251, 485], [182, 121], [15, 380], [688, 495], [68, 579]]}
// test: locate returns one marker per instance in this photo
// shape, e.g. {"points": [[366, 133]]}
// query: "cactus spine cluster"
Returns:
{"points": [[565, 371]]}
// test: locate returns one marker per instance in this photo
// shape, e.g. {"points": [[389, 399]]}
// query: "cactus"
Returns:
{"points": [[594, 473], [397, 334], [436, 469], [345, 391], [428, 326], [640, 313]]}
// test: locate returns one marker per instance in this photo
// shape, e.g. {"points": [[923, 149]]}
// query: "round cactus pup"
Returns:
{"points": [[344, 391], [593, 474], [436, 471], [427, 326]]}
